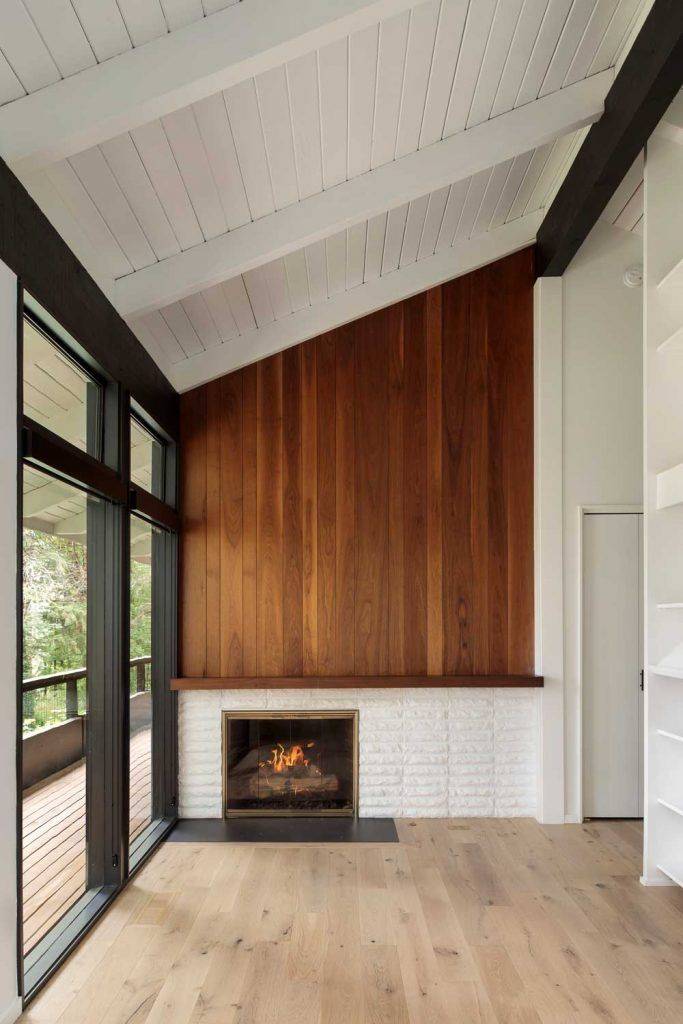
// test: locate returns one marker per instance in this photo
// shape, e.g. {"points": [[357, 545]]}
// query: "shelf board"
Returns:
{"points": [[672, 275], [674, 872], [671, 604], [674, 343], [671, 671], [670, 735], [670, 487], [349, 682], [670, 806]]}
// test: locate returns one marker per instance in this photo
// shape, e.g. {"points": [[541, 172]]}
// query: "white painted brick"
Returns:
{"points": [[423, 752]]}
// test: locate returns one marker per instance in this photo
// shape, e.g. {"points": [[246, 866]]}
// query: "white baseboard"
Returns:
{"points": [[12, 1012], [656, 881]]}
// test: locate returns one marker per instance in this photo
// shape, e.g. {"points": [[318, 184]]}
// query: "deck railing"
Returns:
{"points": [[54, 717]]}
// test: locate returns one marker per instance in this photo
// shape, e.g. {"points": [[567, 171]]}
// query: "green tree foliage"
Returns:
{"points": [[55, 619]]}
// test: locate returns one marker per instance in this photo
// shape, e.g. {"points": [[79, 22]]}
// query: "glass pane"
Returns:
{"points": [[146, 459], [58, 394], [55, 700], [140, 682]]}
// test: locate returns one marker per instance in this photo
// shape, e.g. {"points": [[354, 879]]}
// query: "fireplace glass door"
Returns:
{"points": [[290, 764]]}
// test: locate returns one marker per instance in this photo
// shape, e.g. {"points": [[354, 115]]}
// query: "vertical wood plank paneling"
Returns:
{"points": [[192, 582], [372, 555], [394, 327], [269, 626], [327, 555], [415, 466], [458, 403], [292, 585], [232, 526], [519, 461], [477, 403], [435, 626], [249, 599], [345, 582], [363, 503], [493, 289], [309, 490], [213, 527]]}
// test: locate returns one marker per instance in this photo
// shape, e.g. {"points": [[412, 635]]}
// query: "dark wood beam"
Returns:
{"points": [[645, 85], [49, 270]]}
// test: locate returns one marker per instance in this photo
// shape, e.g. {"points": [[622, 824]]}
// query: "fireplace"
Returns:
{"points": [[290, 763]]}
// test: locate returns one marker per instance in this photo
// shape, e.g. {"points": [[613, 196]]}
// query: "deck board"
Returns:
{"points": [[54, 863]]}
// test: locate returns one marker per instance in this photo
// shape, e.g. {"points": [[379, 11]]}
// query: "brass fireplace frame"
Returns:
{"points": [[351, 715]]}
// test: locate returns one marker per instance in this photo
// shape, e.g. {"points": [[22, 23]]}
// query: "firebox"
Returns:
{"points": [[290, 763]]}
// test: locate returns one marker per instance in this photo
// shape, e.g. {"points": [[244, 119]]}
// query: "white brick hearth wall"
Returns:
{"points": [[423, 752]]}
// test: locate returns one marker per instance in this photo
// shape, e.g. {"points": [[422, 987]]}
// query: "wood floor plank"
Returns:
{"points": [[478, 921]]}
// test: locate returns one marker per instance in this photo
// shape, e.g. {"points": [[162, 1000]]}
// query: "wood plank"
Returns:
{"points": [[345, 442], [292, 513], [269, 625], [231, 526], [327, 497], [192, 587], [309, 490], [371, 416], [416, 494], [214, 501], [395, 491], [249, 549], [434, 399], [519, 459]]}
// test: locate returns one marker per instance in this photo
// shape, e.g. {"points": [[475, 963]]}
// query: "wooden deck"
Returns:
{"points": [[54, 868]]}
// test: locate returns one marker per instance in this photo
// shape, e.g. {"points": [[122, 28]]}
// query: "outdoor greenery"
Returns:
{"points": [[55, 620]]}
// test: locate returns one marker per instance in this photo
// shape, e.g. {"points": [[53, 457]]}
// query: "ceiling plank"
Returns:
{"points": [[173, 71], [366, 298], [645, 85], [361, 198]]}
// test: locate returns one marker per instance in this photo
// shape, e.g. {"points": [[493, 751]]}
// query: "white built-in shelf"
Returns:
{"points": [[670, 735], [670, 806], [674, 342], [672, 671], [670, 487], [672, 276], [673, 871], [671, 604]]}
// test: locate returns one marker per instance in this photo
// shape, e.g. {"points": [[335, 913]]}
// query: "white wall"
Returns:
{"points": [[602, 426], [9, 1004]]}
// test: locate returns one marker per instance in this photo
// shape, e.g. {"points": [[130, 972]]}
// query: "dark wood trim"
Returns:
{"points": [[47, 268], [41, 446], [646, 84], [153, 509], [348, 682]]}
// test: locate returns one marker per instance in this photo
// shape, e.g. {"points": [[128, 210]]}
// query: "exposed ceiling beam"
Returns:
{"points": [[643, 89], [165, 74], [360, 301], [354, 201], [42, 498]]}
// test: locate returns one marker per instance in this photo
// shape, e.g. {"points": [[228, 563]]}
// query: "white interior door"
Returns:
{"points": [[612, 663]]}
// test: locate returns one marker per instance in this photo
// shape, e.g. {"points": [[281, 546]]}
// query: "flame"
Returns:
{"points": [[287, 757]]}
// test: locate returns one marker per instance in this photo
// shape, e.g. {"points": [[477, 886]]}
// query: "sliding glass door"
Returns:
{"points": [[97, 780]]}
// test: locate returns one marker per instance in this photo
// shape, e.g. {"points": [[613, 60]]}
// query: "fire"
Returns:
{"points": [[288, 757]]}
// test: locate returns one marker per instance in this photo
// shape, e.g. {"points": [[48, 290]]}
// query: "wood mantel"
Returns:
{"points": [[349, 682]]}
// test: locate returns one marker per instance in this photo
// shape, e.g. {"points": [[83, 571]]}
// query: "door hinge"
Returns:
{"points": [[642, 678]]}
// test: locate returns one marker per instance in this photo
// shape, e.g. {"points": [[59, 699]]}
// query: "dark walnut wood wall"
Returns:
{"points": [[362, 504]]}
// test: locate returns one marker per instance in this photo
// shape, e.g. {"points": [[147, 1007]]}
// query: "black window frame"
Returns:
{"points": [[106, 476]]}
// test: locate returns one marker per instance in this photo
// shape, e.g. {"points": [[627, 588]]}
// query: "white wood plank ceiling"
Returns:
{"points": [[428, 126]]}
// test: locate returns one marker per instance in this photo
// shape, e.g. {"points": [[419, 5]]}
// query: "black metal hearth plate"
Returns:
{"points": [[285, 830]]}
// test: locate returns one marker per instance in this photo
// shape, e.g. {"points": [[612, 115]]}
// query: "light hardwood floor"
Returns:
{"points": [[496, 921]]}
